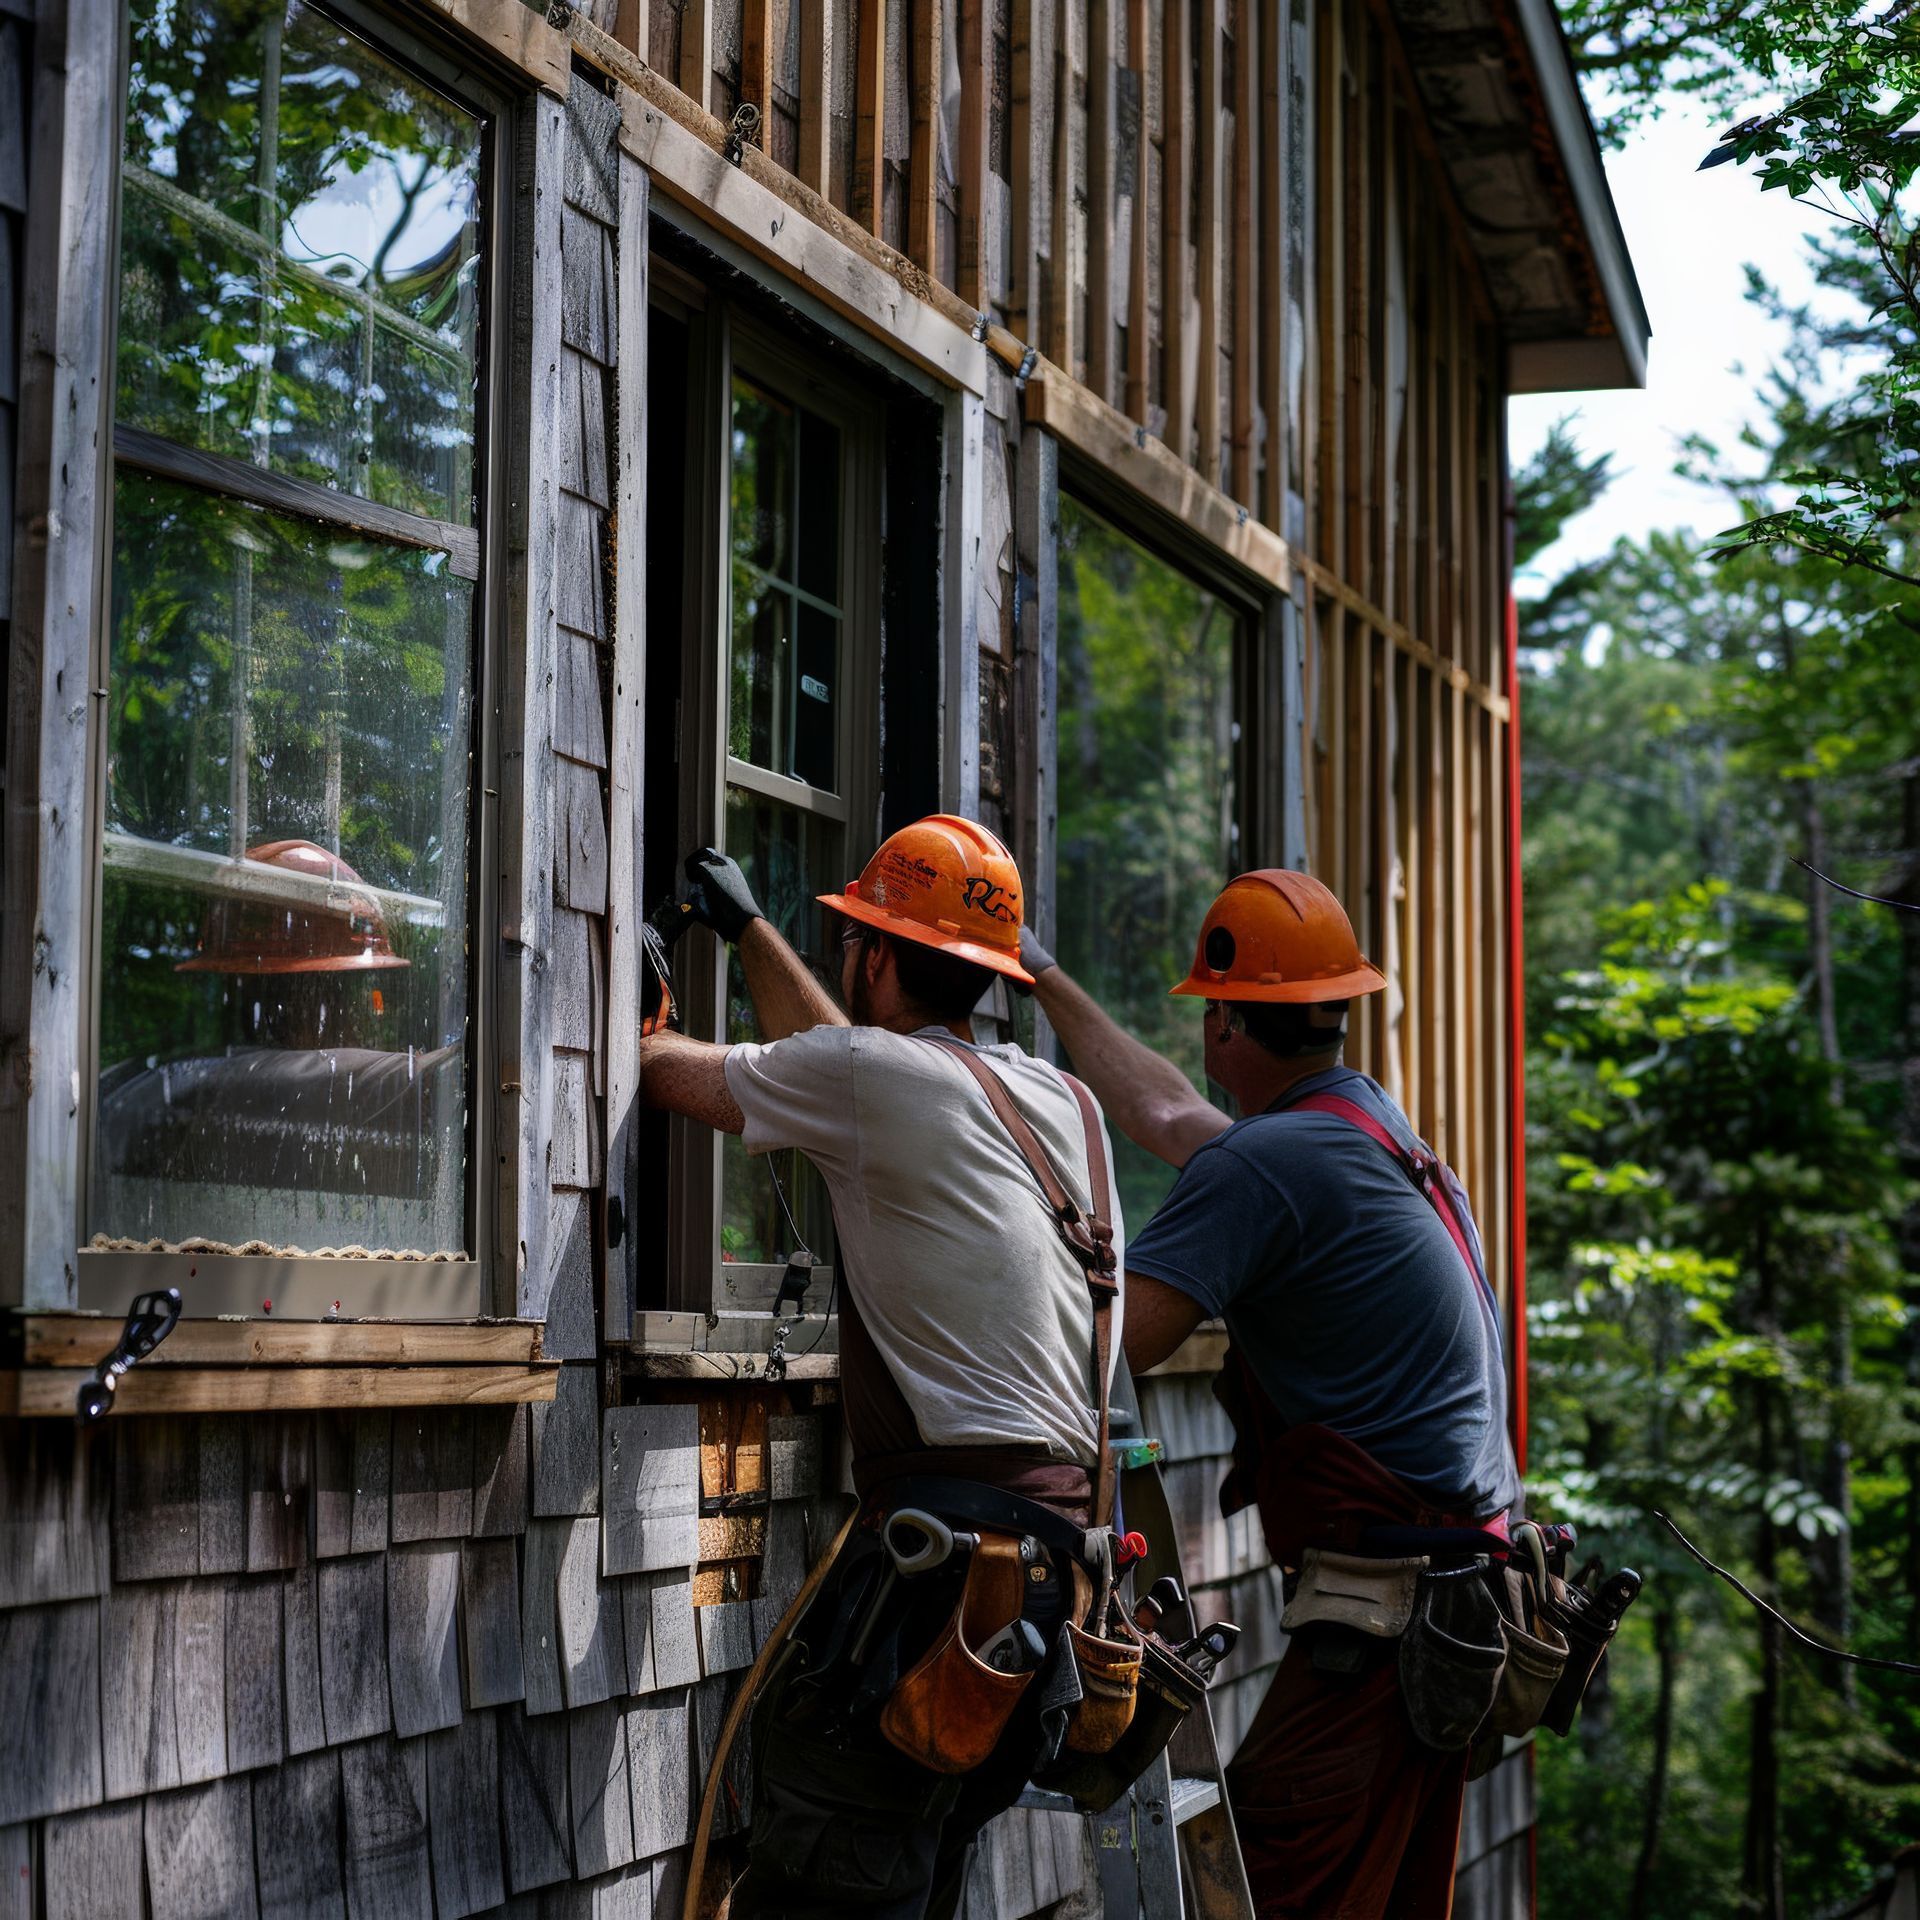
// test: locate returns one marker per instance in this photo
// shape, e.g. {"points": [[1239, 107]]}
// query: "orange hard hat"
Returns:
{"points": [[945, 882], [338, 930], [1278, 935]]}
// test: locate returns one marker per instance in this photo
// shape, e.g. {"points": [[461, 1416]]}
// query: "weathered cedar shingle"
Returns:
{"points": [[597, 1779], [593, 123], [650, 1464], [572, 1158], [463, 1799], [200, 1853], [372, 1478], [256, 1672], [490, 1622], [624, 1895], [279, 1489], [352, 1625], [501, 1465], [570, 1333], [300, 1632], [586, 276], [533, 1795], [423, 1652], [296, 1834], [579, 569], [432, 1474], [384, 1795], [569, 976], [710, 1701], [726, 1636], [156, 1499], [659, 1765], [332, 1483], [582, 455], [676, 1645], [16, 1871], [566, 1445], [593, 1654], [795, 1455], [94, 1867], [223, 1503], [163, 1685], [580, 858], [55, 1497], [636, 1606], [539, 1617]]}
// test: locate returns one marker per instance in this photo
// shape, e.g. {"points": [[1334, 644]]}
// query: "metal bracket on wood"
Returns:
{"points": [[744, 126]]}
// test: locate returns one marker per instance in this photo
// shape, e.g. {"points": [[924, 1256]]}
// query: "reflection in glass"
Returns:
{"points": [[784, 631], [301, 248], [1147, 803], [789, 857], [283, 954]]}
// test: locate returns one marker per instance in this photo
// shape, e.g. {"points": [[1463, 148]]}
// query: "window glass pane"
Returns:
{"points": [[283, 971], [785, 625], [789, 857], [1146, 786], [301, 248]]}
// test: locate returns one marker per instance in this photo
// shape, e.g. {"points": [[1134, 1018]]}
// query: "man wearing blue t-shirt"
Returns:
{"points": [[1366, 1378]]}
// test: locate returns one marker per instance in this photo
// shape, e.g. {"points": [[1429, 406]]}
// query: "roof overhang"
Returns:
{"points": [[1499, 89]]}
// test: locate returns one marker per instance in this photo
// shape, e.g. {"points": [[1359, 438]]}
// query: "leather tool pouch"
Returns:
{"points": [[1167, 1692], [1346, 1590], [950, 1710], [1536, 1656], [1588, 1632], [1451, 1657], [1110, 1689]]}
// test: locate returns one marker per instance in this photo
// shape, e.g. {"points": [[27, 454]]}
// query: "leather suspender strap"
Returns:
{"points": [[1088, 1236]]}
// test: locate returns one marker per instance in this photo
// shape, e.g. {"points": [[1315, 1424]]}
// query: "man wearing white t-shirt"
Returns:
{"points": [[966, 1336]]}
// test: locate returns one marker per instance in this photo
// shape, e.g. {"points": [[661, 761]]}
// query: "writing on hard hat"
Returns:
{"points": [[1277, 935], [325, 922], [943, 882]]}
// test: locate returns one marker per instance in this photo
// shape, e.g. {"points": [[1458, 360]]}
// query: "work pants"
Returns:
{"points": [[1342, 1813], [842, 1821]]}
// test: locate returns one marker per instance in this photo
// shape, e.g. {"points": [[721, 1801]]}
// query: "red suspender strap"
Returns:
{"points": [[1418, 1168]]}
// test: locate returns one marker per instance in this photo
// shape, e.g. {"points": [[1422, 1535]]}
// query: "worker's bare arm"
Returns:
{"points": [[1158, 1319], [690, 1077], [1145, 1095], [786, 997]]}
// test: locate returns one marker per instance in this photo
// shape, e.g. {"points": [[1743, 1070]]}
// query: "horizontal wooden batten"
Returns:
{"points": [[85, 1339], [1105, 438], [514, 32], [47, 1393]]}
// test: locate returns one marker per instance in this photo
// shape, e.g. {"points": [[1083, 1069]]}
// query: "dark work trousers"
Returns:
{"points": [[842, 1821], [1342, 1813]]}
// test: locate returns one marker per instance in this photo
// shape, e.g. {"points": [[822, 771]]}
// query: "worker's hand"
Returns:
{"points": [[718, 894], [1033, 956]]}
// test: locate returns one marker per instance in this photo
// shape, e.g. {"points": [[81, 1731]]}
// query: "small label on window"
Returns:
{"points": [[812, 688]]}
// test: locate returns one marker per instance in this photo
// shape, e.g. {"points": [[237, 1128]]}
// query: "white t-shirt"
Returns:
{"points": [[978, 1309]]}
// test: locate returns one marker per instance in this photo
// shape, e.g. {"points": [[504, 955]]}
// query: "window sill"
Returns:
{"points": [[251, 1366]]}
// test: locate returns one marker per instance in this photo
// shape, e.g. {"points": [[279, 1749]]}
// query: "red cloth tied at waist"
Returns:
{"points": [[1316, 1488]]}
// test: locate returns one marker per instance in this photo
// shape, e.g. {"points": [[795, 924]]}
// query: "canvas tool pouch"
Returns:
{"points": [[1588, 1632], [1536, 1656], [1167, 1692], [950, 1710], [1349, 1590], [1451, 1657]]}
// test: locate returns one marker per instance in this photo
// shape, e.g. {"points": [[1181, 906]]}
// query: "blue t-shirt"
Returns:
{"points": [[1344, 1291]]}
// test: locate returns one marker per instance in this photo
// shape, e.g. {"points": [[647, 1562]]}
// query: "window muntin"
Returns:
{"points": [[282, 1020], [1147, 792]]}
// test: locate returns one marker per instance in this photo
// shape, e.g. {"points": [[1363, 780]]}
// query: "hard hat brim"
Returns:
{"points": [[903, 929], [1353, 985]]}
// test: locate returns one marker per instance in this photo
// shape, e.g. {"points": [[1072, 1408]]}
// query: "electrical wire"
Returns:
{"points": [[1773, 1613], [1872, 899]]}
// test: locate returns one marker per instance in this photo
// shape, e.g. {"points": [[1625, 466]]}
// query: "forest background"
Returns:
{"points": [[1724, 1070]]}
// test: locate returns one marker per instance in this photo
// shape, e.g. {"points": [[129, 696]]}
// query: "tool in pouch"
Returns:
{"points": [[1111, 1694]]}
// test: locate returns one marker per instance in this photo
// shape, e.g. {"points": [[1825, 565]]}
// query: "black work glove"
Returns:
{"points": [[718, 894]]}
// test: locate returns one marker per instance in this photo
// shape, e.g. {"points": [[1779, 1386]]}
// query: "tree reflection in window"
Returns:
{"points": [[1146, 792]]}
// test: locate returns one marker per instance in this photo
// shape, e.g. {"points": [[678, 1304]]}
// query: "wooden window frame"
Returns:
{"points": [[314, 1287]]}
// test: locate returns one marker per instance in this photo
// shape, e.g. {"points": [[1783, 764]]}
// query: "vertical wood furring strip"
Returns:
{"points": [[1032, 63], [1250, 256], [923, 161], [632, 26], [1102, 241], [756, 63], [1273, 333], [1176, 318], [1207, 113], [696, 52], [816, 95], [1139, 346], [1059, 336], [1411, 845], [976, 182], [1356, 176], [870, 117], [1380, 671], [1328, 275], [1376, 584]]}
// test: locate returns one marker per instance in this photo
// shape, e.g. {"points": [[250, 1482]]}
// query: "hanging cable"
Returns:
{"points": [[1773, 1613]]}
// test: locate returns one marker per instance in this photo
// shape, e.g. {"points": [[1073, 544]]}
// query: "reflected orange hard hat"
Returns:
{"points": [[338, 930], [1278, 935], [945, 882]]}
